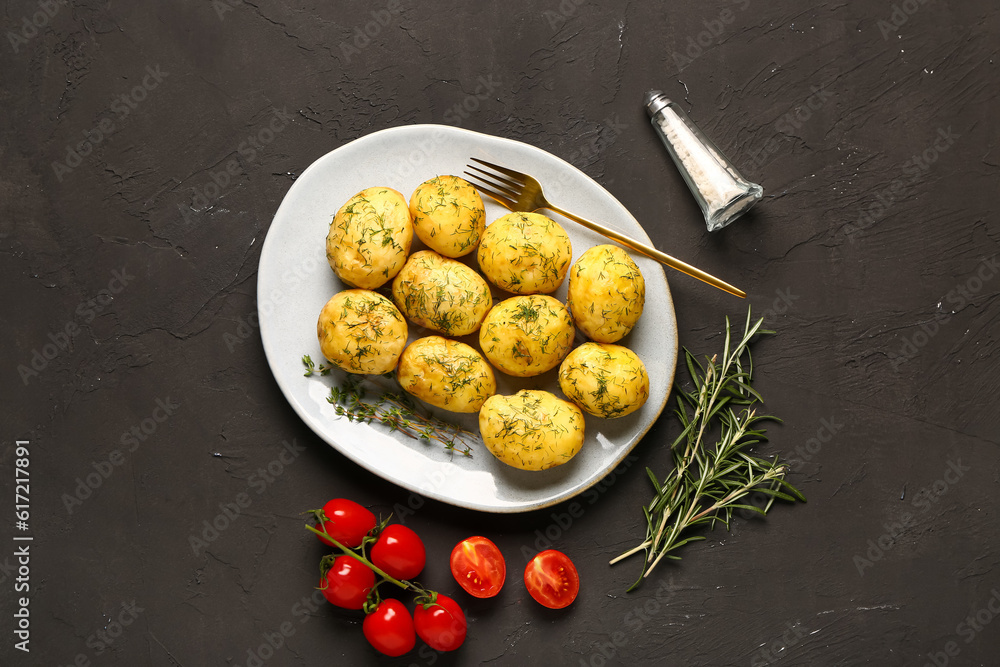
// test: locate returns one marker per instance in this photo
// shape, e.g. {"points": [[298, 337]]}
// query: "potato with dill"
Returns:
{"points": [[448, 215], [525, 253], [448, 374], [361, 331], [605, 380], [442, 294], [531, 430], [370, 238], [606, 293], [527, 335]]}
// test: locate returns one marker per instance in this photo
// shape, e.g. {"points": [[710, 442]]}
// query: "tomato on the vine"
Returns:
{"points": [[399, 552], [347, 522], [390, 628], [347, 583], [552, 579], [441, 624], [478, 566]]}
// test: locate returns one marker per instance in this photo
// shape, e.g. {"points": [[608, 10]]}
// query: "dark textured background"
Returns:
{"points": [[874, 268]]}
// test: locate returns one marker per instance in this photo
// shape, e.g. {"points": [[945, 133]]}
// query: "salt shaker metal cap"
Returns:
{"points": [[719, 188]]}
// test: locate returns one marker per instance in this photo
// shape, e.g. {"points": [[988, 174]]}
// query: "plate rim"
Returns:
{"points": [[267, 249]]}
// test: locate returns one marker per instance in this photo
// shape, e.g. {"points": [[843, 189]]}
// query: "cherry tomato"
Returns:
{"points": [[390, 628], [399, 552], [347, 583], [552, 579], [440, 624], [347, 522], [478, 567]]}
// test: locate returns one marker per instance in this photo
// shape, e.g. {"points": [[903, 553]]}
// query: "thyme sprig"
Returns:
{"points": [[709, 483], [394, 410], [312, 368]]}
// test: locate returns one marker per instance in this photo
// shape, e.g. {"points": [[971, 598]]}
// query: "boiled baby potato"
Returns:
{"points": [[370, 238], [448, 215], [606, 293], [605, 380], [527, 335], [525, 253], [442, 294], [446, 373], [531, 430], [361, 331]]}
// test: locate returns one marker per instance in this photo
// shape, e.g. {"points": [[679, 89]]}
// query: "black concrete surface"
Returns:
{"points": [[129, 349]]}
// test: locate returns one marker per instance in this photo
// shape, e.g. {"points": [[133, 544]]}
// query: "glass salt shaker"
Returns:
{"points": [[720, 189]]}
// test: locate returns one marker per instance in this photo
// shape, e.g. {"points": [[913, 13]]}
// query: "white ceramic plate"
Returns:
{"points": [[294, 282]]}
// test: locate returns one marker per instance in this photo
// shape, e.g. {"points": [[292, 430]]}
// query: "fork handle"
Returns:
{"points": [[652, 253]]}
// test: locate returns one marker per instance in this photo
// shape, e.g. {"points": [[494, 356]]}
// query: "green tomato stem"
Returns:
{"points": [[405, 585]]}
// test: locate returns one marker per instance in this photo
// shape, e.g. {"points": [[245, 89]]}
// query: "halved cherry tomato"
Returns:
{"points": [[441, 624], [347, 583], [399, 552], [347, 522], [478, 566], [390, 628], [552, 579]]}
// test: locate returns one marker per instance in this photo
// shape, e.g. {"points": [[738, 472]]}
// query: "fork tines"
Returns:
{"points": [[521, 192], [516, 175], [504, 190]]}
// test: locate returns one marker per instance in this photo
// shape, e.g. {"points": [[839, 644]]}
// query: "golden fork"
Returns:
{"points": [[520, 192]]}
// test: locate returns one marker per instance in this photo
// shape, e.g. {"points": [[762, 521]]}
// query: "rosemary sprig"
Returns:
{"points": [[394, 410], [708, 483]]}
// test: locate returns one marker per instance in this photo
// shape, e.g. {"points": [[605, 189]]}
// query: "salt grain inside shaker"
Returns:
{"points": [[721, 191]]}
